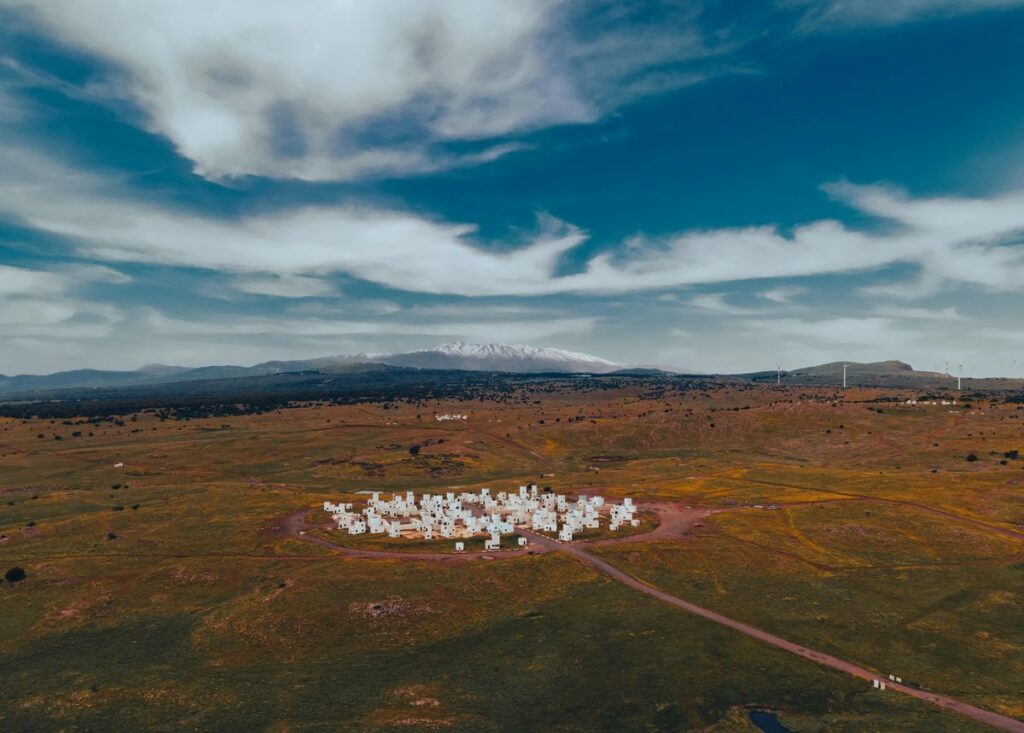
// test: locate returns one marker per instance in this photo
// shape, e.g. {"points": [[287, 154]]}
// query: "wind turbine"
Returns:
{"points": [[959, 375], [844, 374], [778, 375]]}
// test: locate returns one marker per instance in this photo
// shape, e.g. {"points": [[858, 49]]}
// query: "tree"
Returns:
{"points": [[971, 458], [15, 575]]}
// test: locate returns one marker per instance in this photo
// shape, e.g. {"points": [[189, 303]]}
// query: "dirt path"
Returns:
{"points": [[985, 716], [294, 525], [675, 521]]}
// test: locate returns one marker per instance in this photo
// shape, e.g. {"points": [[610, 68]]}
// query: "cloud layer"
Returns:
{"points": [[949, 239], [832, 14], [356, 91], [341, 90]]}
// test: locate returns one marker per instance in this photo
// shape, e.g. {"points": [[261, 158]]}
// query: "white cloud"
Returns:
{"points": [[918, 314], [38, 304], [949, 240], [783, 294], [718, 303], [832, 14], [340, 90], [283, 286], [24, 281], [510, 330]]}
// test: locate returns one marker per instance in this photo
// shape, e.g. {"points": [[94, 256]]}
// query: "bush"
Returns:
{"points": [[15, 575], [414, 450], [971, 458]]}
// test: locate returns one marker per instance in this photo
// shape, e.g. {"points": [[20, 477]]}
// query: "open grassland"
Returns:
{"points": [[160, 595]]}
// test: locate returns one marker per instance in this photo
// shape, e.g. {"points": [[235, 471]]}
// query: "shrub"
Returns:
{"points": [[414, 450], [15, 575], [971, 458]]}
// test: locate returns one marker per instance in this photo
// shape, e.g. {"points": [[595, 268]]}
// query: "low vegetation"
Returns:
{"points": [[160, 594]]}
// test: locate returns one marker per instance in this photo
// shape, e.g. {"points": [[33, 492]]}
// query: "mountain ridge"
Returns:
{"points": [[468, 357], [459, 355]]}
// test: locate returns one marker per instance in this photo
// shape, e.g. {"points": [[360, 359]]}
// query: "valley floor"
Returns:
{"points": [[165, 594]]}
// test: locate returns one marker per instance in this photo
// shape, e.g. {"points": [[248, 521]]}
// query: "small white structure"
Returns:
{"points": [[460, 546], [566, 534], [494, 543], [522, 542], [357, 527], [119, 464]]}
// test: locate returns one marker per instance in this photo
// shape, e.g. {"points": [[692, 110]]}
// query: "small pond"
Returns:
{"points": [[768, 722]]}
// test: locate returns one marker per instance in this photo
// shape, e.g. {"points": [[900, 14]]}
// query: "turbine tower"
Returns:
{"points": [[778, 375], [844, 374], [959, 375]]}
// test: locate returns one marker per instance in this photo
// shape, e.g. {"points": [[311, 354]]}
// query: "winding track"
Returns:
{"points": [[674, 524], [985, 716]]}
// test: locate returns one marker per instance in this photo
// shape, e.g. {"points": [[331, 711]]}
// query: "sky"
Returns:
{"points": [[716, 186]]}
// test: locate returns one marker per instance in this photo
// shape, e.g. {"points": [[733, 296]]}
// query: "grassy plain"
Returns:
{"points": [[852, 525]]}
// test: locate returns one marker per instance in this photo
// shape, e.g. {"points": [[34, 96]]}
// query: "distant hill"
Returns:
{"points": [[871, 369], [890, 373]]}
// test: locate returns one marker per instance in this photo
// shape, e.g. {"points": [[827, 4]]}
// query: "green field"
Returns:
{"points": [[171, 602]]}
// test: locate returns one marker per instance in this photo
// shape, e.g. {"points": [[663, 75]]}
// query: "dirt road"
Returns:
{"points": [[674, 521], [579, 552], [294, 525]]}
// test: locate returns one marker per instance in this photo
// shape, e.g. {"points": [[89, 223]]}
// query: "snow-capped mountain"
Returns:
{"points": [[500, 358], [456, 355]]}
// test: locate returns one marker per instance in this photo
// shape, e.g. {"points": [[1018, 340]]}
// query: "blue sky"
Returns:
{"points": [[717, 186]]}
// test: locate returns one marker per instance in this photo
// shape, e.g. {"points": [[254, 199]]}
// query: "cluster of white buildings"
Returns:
{"points": [[932, 402], [469, 514], [451, 416]]}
